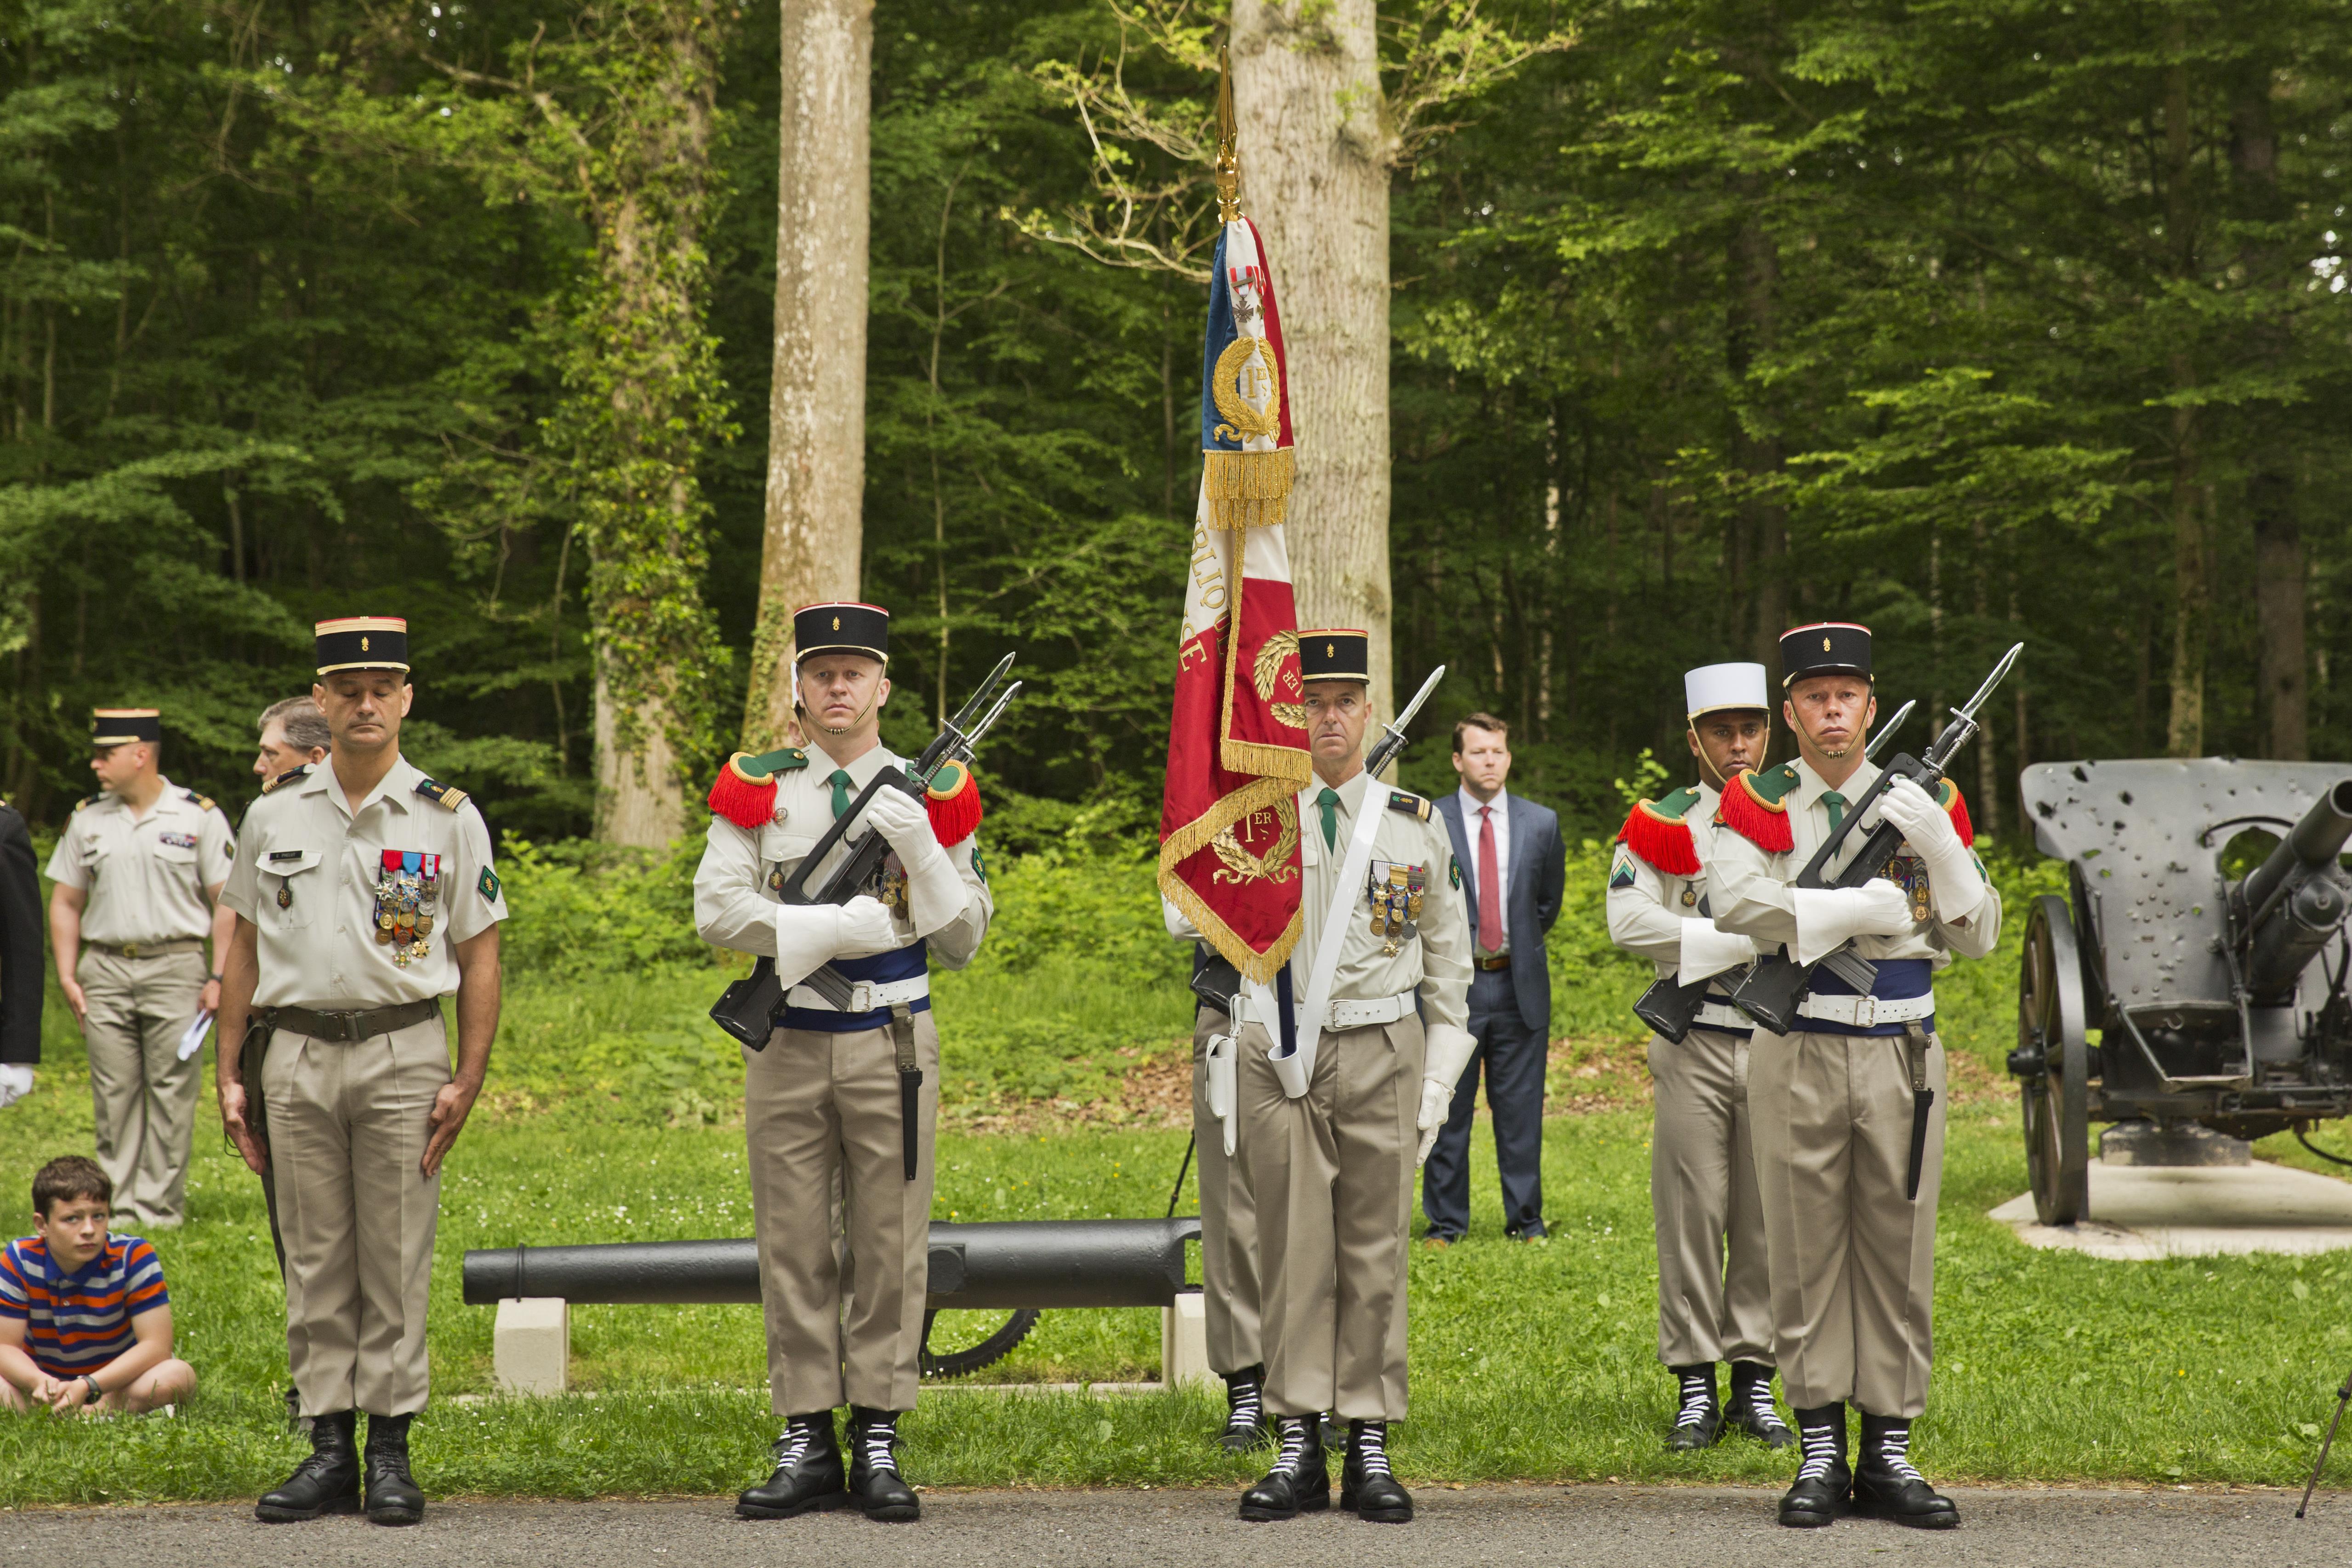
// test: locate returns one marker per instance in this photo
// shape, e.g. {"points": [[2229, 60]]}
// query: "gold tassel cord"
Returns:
{"points": [[1247, 489]]}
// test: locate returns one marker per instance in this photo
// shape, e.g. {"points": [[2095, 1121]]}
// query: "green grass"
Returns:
{"points": [[616, 1117]]}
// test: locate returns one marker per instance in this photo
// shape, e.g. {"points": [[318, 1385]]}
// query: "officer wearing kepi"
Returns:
{"points": [[364, 893], [1714, 1297], [824, 1099], [1851, 1248], [1341, 1099], [137, 881]]}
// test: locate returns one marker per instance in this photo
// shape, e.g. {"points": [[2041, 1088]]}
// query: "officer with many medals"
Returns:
{"points": [[1714, 1297], [823, 1107], [1337, 1111], [364, 893], [137, 879], [1851, 1248]]}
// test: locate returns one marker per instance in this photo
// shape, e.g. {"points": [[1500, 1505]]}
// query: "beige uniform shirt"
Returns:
{"points": [[145, 875], [1432, 955], [1753, 897], [1646, 912], [740, 880], [306, 871]]}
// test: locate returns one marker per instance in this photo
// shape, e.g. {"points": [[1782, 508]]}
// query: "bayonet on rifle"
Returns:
{"points": [[1384, 749]]}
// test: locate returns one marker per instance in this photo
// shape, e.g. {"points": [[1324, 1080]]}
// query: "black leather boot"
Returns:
{"points": [[808, 1473], [1887, 1485], [393, 1498], [876, 1488], [326, 1482], [1752, 1409], [1699, 1423], [1818, 1495], [1300, 1481], [1245, 1425], [1366, 1487]]}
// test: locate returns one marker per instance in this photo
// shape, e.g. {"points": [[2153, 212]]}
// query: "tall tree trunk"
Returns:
{"points": [[1316, 152], [1753, 276], [2192, 593], [814, 533], [2279, 567]]}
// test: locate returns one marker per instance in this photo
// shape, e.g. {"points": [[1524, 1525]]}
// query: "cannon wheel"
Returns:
{"points": [[987, 1353], [2050, 1024]]}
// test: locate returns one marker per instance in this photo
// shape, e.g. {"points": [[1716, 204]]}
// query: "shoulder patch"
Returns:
{"points": [[1656, 831], [488, 885], [444, 795], [300, 770], [1454, 871], [1622, 875], [204, 802], [94, 800], [1411, 805], [1754, 807]]}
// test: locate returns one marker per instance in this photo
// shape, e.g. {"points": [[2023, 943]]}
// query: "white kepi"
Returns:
{"points": [[1713, 687]]}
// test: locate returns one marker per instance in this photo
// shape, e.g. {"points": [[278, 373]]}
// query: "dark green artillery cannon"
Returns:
{"points": [[1016, 1268], [2163, 991]]}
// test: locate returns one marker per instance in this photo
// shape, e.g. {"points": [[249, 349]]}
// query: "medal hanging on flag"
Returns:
{"points": [[407, 895]]}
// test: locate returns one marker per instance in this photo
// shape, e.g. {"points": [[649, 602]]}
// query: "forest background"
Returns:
{"points": [[1972, 321]]}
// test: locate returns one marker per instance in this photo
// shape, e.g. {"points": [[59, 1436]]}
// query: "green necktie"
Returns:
{"points": [[1329, 801], [840, 782], [1836, 804]]}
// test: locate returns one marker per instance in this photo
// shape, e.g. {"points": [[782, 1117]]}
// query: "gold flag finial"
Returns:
{"points": [[1229, 158]]}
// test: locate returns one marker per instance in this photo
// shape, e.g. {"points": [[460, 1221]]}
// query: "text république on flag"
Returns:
{"points": [[1237, 749]]}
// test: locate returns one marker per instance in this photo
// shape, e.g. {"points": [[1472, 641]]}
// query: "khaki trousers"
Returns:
{"points": [[1228, 1282], [845, 1238], [1715, 1297], [1332, 1174], [142, 1097], [348, 1126], [1853, 1261]]}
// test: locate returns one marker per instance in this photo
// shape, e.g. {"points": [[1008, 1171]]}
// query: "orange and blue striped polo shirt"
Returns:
{"points": [[77, 1322]]}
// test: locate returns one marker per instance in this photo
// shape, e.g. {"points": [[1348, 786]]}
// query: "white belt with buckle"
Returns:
{"points": [[864, 996], [1722, 1015], [1862, 1012], [1363, 1015]]}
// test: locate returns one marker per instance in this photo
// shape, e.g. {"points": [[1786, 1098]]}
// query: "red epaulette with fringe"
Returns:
{"points": [[953, 802], [1759, 814], [1949, 798], [745, 791], [1656, 831]]}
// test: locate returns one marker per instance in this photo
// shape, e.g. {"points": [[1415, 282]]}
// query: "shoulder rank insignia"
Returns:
{"points": [[1411, 805], [440, 794], [953, 801], [1754, 806], [204, 802], [1622, 875], [1949, 797], [301, 770], [94, 800], [745, 791], [1656, 830]]}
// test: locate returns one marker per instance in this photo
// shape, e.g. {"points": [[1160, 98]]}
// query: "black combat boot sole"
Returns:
{"points": [[1392, 1515], [348, 1503], [1317, 1502], [889, 1512], [396, 1514], [1808, 1518], [823, 1503], [1938, 1519]]}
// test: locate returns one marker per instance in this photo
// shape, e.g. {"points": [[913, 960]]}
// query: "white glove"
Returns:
{"points": [[1448, 1052], [934, 891], [810, 936], [1707, 951], [1830, 917], [1928, 828], [16, 1083]]}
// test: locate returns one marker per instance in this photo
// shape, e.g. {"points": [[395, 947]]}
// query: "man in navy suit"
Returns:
{"points": [[1513, 863]]}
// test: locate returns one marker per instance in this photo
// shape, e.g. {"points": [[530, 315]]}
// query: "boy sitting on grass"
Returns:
{"points": [[84, 1321]]}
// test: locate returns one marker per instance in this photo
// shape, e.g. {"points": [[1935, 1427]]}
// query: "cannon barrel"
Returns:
{"points": [[2296, 900], [1005, 1264]]}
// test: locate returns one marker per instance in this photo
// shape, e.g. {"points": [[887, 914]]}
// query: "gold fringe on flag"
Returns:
{"points": [[1247, 489]]}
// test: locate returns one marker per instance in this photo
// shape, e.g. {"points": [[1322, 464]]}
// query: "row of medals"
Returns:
{"points": [[1395, 898], [404, 901]]}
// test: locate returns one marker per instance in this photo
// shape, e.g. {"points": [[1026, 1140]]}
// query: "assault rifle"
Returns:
{"points": [[1774, 988], [1671, 1007], [747, 1008]]}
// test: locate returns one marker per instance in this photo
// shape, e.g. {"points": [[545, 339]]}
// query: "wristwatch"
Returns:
{"points": [[214, 976], [95, 1393]]}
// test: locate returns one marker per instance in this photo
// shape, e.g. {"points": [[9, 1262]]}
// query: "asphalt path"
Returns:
{"points": [[1620, 1527]]}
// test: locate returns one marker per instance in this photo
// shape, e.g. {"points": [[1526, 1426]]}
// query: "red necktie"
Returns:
{"points": [[1490, 885]]}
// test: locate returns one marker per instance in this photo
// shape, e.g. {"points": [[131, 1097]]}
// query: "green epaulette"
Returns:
{"points": [[1679, 803], [204, 802], [1773, 782], [301, 770], [1411, 805], [768, 763], [440, 794], [89, 800]]}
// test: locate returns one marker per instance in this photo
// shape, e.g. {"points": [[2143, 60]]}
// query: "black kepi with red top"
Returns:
{"points": [[841, 627], [1825, 648], [1335, 653]]}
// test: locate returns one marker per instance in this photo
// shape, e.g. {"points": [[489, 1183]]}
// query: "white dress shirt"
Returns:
{"points": [[1471, 825]]}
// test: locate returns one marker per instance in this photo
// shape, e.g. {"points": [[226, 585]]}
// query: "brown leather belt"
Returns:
{"points": [[148, 949], [350, 1028], [1499, 961]]}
